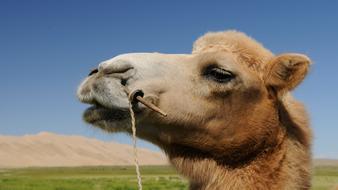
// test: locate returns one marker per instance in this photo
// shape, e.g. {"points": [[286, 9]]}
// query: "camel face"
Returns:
{"points": [[202, 94], [220, 100]]}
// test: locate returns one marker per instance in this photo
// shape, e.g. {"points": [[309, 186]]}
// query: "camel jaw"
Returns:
{"points": [[97, 113], [109, 116], [108, 119]]}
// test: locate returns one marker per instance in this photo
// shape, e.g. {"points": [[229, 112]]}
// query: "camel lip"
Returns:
{"points": [[97, 113]]}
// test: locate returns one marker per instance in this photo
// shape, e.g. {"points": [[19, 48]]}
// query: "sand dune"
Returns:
{"points": [[48, 149], [325, 162]]}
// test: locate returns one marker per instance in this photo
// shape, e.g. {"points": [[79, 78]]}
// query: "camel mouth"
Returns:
{"points": [[98, 113]]}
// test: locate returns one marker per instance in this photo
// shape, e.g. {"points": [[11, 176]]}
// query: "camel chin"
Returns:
{"points": [[108, 119]]}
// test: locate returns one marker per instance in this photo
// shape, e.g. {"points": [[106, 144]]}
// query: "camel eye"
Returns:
{"points": [[219, 75]]}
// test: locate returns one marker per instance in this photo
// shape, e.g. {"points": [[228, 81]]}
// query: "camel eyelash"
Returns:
{"points": [[213, 72]]}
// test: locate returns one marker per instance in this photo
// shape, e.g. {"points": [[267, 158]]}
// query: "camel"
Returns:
{"points": [[232, 122]]}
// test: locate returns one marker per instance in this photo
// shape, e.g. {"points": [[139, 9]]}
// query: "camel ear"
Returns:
{"points": [[284, 72]]}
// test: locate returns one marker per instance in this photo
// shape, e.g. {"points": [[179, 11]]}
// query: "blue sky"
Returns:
{"points": [[47, 47]]}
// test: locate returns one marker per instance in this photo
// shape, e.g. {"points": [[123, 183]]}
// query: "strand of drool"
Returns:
{"points": [[133, 127]]}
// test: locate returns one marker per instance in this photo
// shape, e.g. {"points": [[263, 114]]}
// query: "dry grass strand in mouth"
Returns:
{"points": [[133, 127]]}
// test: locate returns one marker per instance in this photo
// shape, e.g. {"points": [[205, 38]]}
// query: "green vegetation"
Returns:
{"points": [[325, 177], [118, 178], [90, 178]]}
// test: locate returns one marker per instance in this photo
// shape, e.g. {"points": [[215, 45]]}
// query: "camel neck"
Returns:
{"points": [[267, 171]]}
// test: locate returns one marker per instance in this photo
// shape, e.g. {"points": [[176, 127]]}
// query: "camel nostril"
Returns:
{"points": [[123, 82], [93, 71]]}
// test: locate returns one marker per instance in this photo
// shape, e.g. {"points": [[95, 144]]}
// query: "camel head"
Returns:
{"points": [[221, 100]]}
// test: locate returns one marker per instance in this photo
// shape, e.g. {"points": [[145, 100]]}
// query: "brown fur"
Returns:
{"points": [[246, 134], [280, 158]]}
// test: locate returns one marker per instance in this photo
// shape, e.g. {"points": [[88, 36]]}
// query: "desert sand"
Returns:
{"points": [[51, 150], [325, 162], [48, 149]]}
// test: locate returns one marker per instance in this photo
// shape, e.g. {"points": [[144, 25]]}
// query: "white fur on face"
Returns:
{"points": [[146, 71]]}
